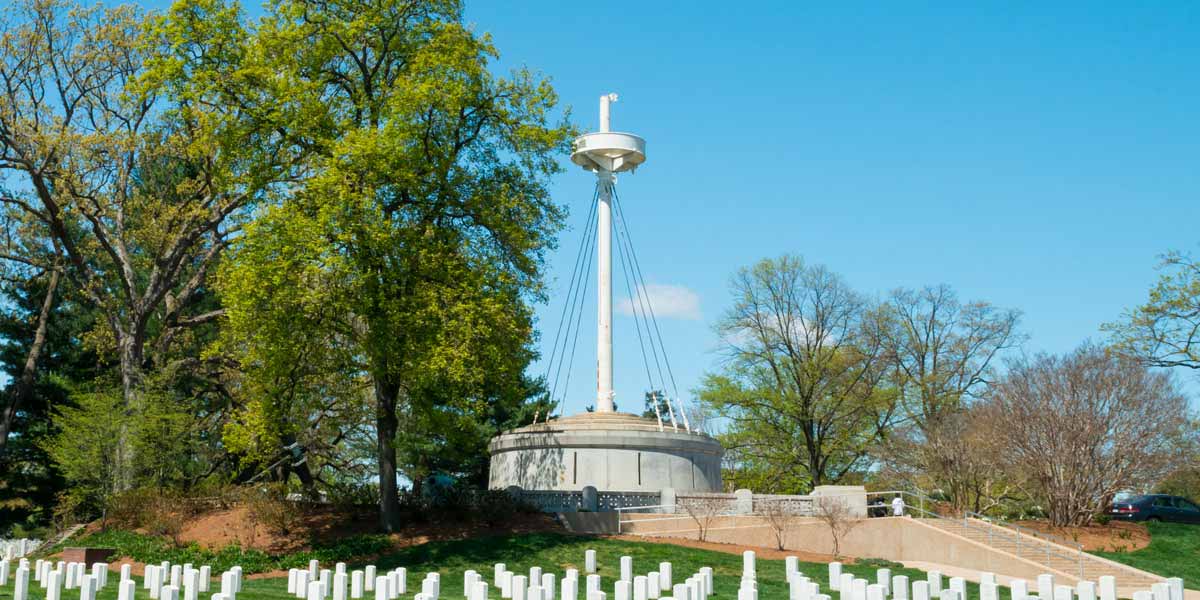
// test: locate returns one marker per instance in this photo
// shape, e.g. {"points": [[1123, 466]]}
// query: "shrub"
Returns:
{"points": [[268, 504], [495, 506], [877, 563]]}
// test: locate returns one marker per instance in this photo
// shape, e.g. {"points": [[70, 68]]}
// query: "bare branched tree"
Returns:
{"points": [[944, 349], [780, 515], [1082, 427], [835, 512], [958, 456], [704, 510]]}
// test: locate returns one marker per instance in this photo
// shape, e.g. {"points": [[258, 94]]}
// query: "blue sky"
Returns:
{"points": [[1038, 157]]}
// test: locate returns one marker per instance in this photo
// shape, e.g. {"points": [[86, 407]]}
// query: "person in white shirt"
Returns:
{"points": [[898, 506]]}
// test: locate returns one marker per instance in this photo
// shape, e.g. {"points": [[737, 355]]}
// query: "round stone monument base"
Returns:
{"points": [[613, 452]]}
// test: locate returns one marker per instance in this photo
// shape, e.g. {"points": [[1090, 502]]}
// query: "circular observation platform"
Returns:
{"points": [[609, 151]]}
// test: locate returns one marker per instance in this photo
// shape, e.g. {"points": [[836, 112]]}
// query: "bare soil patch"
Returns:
{"points": [[1116, 536], [220, 528]]}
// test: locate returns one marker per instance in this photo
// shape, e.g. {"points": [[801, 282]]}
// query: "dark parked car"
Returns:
{"points": [[1155, 507]]}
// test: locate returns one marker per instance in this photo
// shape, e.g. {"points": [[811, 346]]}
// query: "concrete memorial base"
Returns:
{"points": [[612, 452]]}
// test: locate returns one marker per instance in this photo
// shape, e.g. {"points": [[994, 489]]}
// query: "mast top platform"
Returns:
{"points": [[608, 151]]}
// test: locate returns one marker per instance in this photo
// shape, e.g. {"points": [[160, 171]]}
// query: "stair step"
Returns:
{"points": [[1035, 549]]}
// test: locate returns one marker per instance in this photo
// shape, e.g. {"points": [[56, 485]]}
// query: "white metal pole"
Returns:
{"points": [[604, 111], [604, 363]]}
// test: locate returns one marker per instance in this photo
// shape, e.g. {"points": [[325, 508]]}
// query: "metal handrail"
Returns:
{"points": [[1000, 522], [1050, 547]]}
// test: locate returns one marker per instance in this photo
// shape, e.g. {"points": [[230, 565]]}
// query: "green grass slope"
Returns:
{"points": [[1174, 551], [555, 552]]}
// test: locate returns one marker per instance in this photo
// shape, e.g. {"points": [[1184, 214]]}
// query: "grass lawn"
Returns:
{"points": [[555, 553], [1174, 551]]}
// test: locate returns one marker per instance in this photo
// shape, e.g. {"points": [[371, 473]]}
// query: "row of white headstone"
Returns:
{"points": [[184, 582], [19, 548], [164, 581], [897, 587], [316, 583]]}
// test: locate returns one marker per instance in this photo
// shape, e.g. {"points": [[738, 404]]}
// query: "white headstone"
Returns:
{"points": [[54, 586], [1045, 583], [21, 584], [664, 576], [1019, 589], [884, 578], [589, 561], [1086, 590], [87, 587], [126, 589], [900, 587], [920, 590], [520, 585], [191, 585], [959, 585], [369, 578], [1176, 584], [835, 576], [570, 588], [935, 582], [622, 591], [339, 585]]}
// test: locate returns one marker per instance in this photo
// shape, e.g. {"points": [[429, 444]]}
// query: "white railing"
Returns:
{"points": [[553, 500], [609, 501]]}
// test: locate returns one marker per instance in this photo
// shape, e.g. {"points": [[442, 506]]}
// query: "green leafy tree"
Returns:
{"points": [[420, 223], [36, 307], [1163, 332], [133, 165], [804, 387]]}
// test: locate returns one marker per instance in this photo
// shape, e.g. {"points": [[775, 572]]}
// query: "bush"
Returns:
{"points": [[155, 511], [268, 504], [877, 563], [495, 506]]}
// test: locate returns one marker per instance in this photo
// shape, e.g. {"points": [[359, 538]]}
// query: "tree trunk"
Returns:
{"points": [[386, 425], [23, 387], [130, 346]]}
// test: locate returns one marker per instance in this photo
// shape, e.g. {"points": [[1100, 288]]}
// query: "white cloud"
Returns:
{"points": [[666, 301]]}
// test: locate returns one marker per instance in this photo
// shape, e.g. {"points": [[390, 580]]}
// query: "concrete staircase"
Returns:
{"points": [[1055, 557]]}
